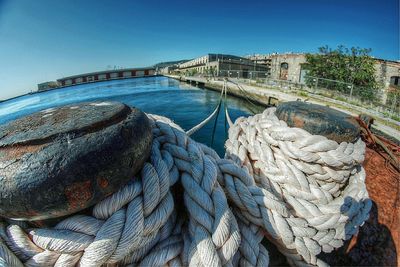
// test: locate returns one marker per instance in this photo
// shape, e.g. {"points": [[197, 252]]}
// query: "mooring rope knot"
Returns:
{"points": [[141, 223], [305, 192], [309, 192]]}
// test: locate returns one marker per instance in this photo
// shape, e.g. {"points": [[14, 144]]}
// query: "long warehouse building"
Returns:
{"points": [[106, 75]]}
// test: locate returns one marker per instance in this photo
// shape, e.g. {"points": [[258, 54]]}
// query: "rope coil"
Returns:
{"points": [[140, 224], [313, 190], [305, 191]]}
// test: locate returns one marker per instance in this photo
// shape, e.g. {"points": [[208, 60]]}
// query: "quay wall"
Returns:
{"points": [[269, 97], [258, 97]]}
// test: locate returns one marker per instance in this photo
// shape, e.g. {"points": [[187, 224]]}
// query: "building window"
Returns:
{"points": [[284, 71], [394, 80]]}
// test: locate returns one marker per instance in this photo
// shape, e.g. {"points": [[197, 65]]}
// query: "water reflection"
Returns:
{"points": [[185, 104]]}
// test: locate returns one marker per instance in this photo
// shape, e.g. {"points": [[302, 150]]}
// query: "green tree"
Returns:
{"points": [[351, 66], [393, 99]]}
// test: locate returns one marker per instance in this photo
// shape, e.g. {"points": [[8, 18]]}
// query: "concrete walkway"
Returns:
{"points": [[268, 96]]}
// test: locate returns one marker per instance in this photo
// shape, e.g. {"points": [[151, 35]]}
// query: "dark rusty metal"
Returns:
{"points": [[319, 120], [367, 119], [62, 160], [378, 240]]}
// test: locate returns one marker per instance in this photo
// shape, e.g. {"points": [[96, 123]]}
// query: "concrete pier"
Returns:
{"points": [[259, 97], [271, 97]]}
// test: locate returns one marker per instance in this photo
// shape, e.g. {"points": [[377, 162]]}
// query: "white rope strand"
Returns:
{"points": [[206, 120], [137, 225], [306, 191]]}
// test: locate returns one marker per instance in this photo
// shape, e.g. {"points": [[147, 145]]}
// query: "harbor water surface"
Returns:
{"points": [[184, 104]]}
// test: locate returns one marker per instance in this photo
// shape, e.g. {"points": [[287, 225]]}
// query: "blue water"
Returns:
{"points": [[185, 104]]}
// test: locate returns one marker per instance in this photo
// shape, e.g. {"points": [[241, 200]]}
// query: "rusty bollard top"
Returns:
{"points": [[319, 120], [62, 160]]}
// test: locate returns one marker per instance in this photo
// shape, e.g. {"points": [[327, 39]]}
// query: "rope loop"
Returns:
{"points": [[307, 192], [141, 224], [188, 206]]}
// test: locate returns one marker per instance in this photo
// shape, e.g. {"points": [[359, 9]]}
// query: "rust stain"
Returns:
{"points": [[78, 194], [378, 240], [383, 186], [28, 213], [103, 182], [298, 121], [39, 223], [18, 151]]}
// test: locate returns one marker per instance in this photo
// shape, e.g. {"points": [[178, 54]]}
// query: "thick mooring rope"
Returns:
{"points": [[305, 192], [212, 114], [314, 195], [144, 224]]}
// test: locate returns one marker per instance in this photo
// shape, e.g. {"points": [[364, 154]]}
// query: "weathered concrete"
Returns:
{"points": [[294, 63], [258, 96], [62, 160], [385, 70]]}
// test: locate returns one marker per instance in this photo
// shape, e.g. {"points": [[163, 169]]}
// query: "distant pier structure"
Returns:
{"points": [[97, 77], [105, 76], [102, 76]]}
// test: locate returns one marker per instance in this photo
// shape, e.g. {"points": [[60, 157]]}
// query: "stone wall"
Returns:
{"points": [[384, 70], [385, 73], [293, 71]]}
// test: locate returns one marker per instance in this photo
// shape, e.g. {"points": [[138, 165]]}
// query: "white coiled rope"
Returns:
{"points": [[309, 192], [141, 223], [306, 192]]}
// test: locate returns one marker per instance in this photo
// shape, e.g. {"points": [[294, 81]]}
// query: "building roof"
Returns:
{"points": [[48, 82], [103, 72], [393, 62]]}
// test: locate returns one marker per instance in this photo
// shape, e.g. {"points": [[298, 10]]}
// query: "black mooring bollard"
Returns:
{"points": [[319, 120], [62, 160]]}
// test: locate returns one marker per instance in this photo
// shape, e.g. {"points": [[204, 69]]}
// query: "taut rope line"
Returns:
{"points": [[246, 95], [206, 120]]}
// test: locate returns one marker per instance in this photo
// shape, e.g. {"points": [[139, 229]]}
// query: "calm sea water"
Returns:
{"points": [[185, 104]]}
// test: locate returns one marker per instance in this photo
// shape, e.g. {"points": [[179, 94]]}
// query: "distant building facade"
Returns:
{"points": [[224, 65], [106, 75], [261, 60], [288, 67], [47, 85], [168, 69], [387, 73], [291, 67]]}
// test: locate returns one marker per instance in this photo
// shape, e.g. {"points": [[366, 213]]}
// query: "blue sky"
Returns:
{"points": [[44, 40]]}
